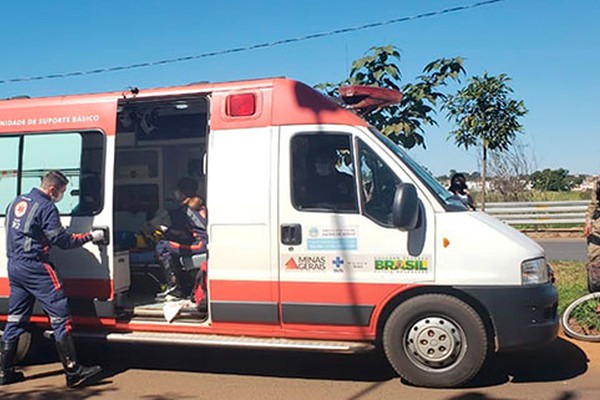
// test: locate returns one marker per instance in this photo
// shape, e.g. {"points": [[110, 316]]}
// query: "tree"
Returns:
{"points": [[404, 122], [485, 116], [554, 180], [511, 170]]}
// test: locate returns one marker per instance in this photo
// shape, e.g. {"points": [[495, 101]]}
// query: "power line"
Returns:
{"points": [[252, 47]]}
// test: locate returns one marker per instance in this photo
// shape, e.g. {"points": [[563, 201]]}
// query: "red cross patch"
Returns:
{"points": [[21, 209]]}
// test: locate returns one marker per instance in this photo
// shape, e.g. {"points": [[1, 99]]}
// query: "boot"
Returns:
{"points": [[8, 351], [173, 290], [76, 373]]}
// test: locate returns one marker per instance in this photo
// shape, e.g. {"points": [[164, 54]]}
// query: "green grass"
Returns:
{"points": [[546, 227], [537, 195], [571, 281], [532, 195], [587, 316]]}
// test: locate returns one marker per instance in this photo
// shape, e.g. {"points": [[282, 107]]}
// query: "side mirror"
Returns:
{"points": [[405, 208]]}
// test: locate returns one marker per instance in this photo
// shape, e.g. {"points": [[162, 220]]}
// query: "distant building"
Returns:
{"points": [[587, 184]]}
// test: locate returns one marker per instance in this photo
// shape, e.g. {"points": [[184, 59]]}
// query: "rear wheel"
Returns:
{"points": [[23, 347], [435, 340], [31, 345]]}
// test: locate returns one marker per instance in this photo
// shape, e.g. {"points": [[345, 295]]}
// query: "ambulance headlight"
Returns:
{"points": [[534, 272]]}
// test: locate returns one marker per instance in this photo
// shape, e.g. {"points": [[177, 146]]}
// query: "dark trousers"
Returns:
{"points": [[168, 253], [166, 249], [30, 280]]}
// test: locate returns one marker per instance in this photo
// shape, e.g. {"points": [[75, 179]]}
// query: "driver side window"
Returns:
{"points": [[378, 186]]}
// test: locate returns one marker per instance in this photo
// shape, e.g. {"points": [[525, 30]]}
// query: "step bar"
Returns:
{"points": [[187, 339]]}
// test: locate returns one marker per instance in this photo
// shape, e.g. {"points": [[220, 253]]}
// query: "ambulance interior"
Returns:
{"points": [[158, 142]]}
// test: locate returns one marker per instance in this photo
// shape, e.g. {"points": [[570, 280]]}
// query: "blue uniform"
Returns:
{"points": [[32, 227], [186, 236]]}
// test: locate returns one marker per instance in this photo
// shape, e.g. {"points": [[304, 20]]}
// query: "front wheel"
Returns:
{"points": [[435, 340]]}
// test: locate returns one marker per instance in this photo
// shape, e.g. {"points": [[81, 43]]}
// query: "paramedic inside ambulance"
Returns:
{"points": [[32, 227], [328, 187], [185, 235]]}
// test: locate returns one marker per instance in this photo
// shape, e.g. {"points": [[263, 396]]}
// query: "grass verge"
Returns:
{"points": [[571, 281]]}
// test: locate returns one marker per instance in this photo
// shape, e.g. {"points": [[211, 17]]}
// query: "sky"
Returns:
{"points": [[550, 50]]}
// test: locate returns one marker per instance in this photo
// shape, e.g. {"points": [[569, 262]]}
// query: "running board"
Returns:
{"points": [[229, 341]]}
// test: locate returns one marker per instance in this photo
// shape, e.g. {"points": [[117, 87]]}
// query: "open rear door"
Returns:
{"points": [[76, 136]]}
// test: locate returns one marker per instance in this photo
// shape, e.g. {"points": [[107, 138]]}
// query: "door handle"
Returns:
{"points": [[106, 240], [291, 234]]}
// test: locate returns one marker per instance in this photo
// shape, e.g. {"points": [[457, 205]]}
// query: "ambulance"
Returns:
{"points": [[323, 234]]}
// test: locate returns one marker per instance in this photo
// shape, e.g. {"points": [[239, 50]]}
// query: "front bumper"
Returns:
{"points": [[523, 316]]}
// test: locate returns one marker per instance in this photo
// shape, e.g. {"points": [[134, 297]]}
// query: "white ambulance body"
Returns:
{"points": [[394, 260]]}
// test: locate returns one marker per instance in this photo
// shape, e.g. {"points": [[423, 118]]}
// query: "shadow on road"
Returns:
{"points": [[562, 360], [559, 361], [371, 367], [44, 392], [567, 395]]}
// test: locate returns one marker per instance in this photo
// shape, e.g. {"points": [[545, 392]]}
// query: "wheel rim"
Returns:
{"points": [[435, 342]]}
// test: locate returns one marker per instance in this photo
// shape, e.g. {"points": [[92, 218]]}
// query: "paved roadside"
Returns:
{"points": [[565, 370], [564, 248]]}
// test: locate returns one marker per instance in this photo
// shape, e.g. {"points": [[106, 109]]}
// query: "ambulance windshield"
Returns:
{"points": [[448, 200]]}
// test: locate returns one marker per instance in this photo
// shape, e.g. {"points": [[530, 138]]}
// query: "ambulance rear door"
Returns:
{"points": [[76, 136]]}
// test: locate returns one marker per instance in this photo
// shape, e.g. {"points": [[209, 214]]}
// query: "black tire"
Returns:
{"points": [[24, 347], [435, 340], [29, 344]]}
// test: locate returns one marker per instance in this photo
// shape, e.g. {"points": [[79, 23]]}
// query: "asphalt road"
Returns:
{"points": [[564, 248], [563, 371]]}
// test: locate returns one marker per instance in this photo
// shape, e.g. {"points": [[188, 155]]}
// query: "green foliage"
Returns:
{"points": [[404, 122], [537, 195], [571, 281], [586, 315], [485, 114], [554, 180]]}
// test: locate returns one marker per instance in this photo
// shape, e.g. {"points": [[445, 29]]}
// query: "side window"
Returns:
{"points": [[378, 185], [9, 166], [78, 156], [323, 173]]}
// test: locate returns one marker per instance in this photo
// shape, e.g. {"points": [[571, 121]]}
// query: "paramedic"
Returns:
{"points": [[186, 235], [592, 232], [32, 227], [327, 187]]}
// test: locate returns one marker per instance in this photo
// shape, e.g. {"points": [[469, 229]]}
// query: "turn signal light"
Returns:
{"points": [[240, 105]]}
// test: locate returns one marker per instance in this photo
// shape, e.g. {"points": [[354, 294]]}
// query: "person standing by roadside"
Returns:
{"points": [[458, 186], [32, 227], [592, 232]]}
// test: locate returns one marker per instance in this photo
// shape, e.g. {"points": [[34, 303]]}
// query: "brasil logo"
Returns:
{"points": [[401, 264]]}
